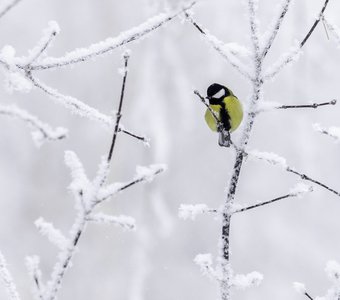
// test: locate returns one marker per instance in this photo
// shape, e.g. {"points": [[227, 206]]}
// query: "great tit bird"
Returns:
{"points": [[228, 110]]}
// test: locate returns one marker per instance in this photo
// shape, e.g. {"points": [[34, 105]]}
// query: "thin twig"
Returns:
{"points": [[45, 131], [8, 7], [217, 45], [264, 203], [306, 177], [119, 114], [309, 296], [219, 123], [313, 105], [314, 25]]}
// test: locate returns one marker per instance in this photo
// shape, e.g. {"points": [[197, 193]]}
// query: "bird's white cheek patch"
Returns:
{"points": [[219, 94]]}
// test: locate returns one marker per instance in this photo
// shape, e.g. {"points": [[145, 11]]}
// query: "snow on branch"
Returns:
{"points": [[269, 157], [254, 27], [32, 264], [48, 36], [42, 132], [189, 211], [275, 159], [243, 281], [270, 35], [227, 51], [6, 6], [54, 235], [292, 55], [7, 279], [333, 29], [332, 131], [100, 48], [79, 178], [204, 261], [125, 222], [300, 288], [144, 174], [80, 108]]}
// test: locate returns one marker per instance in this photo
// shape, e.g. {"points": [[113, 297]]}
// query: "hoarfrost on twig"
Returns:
{"points": [[54, 235], [7, 279], [41, 131]]}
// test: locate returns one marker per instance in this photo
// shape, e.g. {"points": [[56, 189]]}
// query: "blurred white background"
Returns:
{"points": [[288, 241]]}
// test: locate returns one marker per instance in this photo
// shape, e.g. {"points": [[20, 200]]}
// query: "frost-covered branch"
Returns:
{"points": [[32, 263], [103, 47], [299, 190], [49, 35], [274, 28], [275, 159], [88, 195], [219, 123], [292, 55], [41, 131], [333, 29], [119, 112], [294, 52], [254, 28], [221, 48], [126, 222], [190, 211], [332, 131], [7, 280], [7, 6], [80, 108]]}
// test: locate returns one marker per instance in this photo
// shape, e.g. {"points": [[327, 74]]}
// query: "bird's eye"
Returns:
{"points": [[219, 94]]}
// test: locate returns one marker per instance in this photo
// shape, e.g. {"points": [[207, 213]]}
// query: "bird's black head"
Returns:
{"points": [[216, 93]]}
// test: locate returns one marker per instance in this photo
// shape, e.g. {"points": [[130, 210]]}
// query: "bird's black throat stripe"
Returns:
{"points": [[225, 118]]}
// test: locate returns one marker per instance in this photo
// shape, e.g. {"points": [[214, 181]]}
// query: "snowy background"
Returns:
{"points": [[288, 241]]}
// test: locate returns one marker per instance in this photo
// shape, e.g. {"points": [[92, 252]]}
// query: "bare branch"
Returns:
{"points": [[98, 49], [7, 7], [219, 47], [313, 105], [264, 203], [334, 30], [42, 131], [307, 178], [314, 25], [118, 114], [309, 296]]}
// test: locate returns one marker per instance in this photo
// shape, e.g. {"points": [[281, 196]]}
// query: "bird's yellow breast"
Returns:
{"points": [[234, 109]]}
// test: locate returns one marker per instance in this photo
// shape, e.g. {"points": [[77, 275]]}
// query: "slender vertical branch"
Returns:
{"points": [[277, 26], [240, 154], [119, 114], [314, 25]]}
